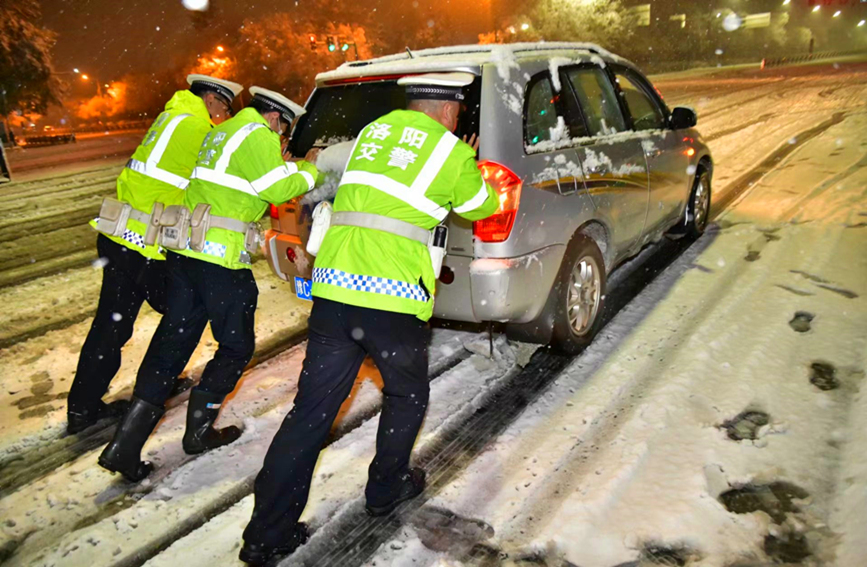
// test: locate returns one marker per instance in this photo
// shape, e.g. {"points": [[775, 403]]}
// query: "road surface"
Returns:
{"points": [[717, 419]]}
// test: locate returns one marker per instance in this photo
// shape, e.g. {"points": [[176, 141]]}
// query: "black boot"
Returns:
{"points": [[258, 554], [78, 421], [412, 484], [202, 412], [123, 454]]}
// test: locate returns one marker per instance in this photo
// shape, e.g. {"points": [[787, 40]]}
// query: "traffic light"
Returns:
{"points": [[344, 47], [312, 42], [331, 45]]}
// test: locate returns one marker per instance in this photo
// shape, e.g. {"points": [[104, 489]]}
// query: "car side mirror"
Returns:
{"points": [[682, 118]]}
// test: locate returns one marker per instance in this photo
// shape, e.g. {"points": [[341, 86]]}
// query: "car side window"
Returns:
{"points": [[598, 100], [645, 112], [540, 112]]}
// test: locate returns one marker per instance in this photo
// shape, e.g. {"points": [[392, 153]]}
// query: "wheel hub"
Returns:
{"points": [[701, 204], [584, 295]]}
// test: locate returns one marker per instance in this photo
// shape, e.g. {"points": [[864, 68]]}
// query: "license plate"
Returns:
{"points": [[304, 288]]}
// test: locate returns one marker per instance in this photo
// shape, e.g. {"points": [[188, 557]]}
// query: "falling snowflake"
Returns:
{"points": [[357, 333], [196, 5], [116, 316], [732, 22], [99, 263]]}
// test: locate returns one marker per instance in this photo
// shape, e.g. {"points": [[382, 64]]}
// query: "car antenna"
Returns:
{"points": [[411, 56]]}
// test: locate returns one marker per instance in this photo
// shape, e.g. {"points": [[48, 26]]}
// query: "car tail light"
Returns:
{"points": [[507, 186], [290, 255], [275, 212]]}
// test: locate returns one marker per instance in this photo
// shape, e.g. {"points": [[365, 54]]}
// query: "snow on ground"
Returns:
{"points": [[629, 461], [183, 488], [341, 473], [631, 430], [37, 374]]}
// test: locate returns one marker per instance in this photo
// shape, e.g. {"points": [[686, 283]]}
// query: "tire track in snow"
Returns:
{"points": [[33, 465], [358, 544], [117, 495], [746, 181]]}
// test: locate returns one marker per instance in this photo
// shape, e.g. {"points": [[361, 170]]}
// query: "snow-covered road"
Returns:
{"points": [[717, 419]]}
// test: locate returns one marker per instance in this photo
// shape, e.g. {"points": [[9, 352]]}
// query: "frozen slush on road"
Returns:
{"points": [[710, 409]]}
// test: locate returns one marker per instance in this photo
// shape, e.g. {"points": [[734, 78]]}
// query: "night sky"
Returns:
{"points": [[109, 38]]}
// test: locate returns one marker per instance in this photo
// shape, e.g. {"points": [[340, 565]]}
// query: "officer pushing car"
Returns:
{"points": [[373, 287], [133, 264], [210, 237]]}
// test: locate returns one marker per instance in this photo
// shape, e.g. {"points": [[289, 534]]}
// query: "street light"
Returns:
{"points": [[816, 9], [75, 70], [220, 48], [837, 13], [84, 77], [861, 23], [786, 2], [525, 27]]}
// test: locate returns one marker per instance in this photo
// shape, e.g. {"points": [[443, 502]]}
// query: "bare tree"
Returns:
{"points": [[26, 81]]}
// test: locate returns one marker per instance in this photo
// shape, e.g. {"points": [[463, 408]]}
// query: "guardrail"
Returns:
{"points": [[806, 57], [47, 140]]}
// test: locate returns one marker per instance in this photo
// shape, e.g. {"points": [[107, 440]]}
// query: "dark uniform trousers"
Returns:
{"points": [[199, 292], [128, 280], [339, 337]]}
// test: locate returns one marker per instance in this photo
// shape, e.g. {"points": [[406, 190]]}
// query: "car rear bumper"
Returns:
{"points": [[275, 246], [512, 290], [509, 290]]}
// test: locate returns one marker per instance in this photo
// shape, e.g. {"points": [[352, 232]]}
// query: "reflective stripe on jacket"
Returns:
{"points": [[240, 171], [160, 168], [407, 166]]}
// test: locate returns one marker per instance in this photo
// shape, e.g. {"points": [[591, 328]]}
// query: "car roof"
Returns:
{"points": [[464, 58]]}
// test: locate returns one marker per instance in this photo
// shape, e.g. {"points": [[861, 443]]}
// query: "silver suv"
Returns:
{"points": [[589, 163]]}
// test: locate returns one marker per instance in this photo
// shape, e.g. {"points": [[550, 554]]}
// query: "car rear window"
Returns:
{"points": [[338, 113]]}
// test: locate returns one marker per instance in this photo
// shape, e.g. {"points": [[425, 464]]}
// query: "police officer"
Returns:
{"points": [[133, 271], [373, 288], [240, 172]]}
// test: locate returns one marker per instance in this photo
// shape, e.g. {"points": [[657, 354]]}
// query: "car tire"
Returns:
{"points": [[698, 209], [578, 296]]}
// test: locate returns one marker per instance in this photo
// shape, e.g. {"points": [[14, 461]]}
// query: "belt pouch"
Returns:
{"points": [[153, 229], [200, 222], [251, 239], [113, 217], [174, 227]]}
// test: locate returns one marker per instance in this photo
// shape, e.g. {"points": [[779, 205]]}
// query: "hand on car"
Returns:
{"points": [[312, 155], [473, 142]]}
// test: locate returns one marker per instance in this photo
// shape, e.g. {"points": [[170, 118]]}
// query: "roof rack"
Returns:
{"points": [[470, 49]]}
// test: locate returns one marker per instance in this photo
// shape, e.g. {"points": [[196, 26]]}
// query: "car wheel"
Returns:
{"points": [[579, 296], [698, 210]]}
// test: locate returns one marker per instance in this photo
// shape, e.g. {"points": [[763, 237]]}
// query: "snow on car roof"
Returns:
{"points": [[464, 57]]}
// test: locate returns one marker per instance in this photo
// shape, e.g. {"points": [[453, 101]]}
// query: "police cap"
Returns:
{"points": [[226, 89], [288, 110], [436, 86]]}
